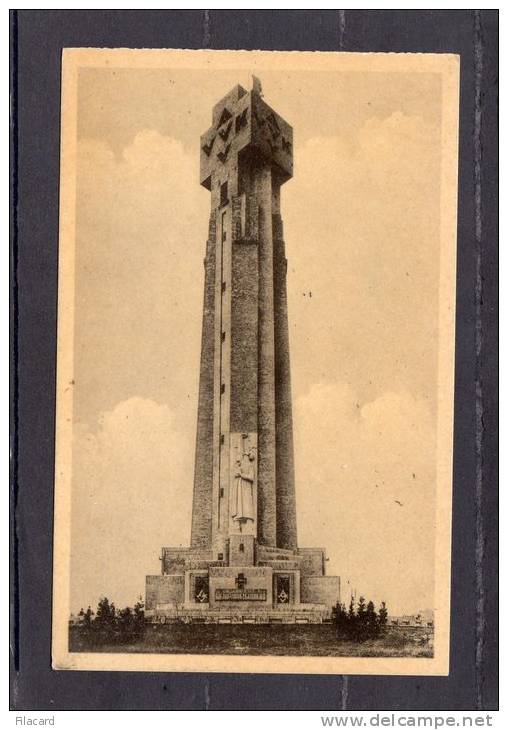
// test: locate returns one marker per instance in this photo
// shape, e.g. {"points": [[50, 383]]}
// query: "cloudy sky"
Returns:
{"points": [[361, 219]]}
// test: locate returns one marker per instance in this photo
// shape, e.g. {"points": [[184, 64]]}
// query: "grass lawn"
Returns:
{"points": [[275, 640]]}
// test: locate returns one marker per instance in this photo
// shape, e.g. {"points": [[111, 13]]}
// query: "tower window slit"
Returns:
{"points": [[224, 194]]}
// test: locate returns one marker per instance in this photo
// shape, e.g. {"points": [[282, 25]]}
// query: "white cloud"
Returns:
{"points": [[361, 220], [365, 490], [132, 490], [141, 233]]}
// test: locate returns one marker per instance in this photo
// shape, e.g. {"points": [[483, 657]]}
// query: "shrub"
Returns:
{"points": [[112, 625], [359, 623]]}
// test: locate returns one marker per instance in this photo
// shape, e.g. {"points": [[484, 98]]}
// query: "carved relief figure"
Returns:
{"points": [[245, 474]]}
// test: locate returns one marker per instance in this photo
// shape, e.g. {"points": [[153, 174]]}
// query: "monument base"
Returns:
{"points": [[278, 586]]}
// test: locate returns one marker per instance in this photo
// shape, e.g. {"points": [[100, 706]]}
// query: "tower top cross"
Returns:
{"points": [[244, 124]]}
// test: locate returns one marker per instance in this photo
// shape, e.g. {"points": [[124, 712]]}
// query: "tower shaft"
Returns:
{"points": [[244, 411]]}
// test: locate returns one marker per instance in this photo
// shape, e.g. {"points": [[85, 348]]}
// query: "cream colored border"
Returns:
{"points": [[448, 67]]}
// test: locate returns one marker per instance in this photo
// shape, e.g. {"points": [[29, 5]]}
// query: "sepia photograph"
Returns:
{"points": [[255, 367]]}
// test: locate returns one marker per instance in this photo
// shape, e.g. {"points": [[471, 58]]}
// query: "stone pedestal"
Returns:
{"points": [[280, 585]]}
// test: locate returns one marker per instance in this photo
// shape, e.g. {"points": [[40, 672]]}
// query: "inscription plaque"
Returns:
{"points": [[240, 594]]}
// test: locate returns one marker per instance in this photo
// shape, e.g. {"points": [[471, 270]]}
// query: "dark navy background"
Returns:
{"points": [[37, 39]]}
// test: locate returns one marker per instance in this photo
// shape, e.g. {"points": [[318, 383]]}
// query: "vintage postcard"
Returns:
{"points": [[255, 361]]}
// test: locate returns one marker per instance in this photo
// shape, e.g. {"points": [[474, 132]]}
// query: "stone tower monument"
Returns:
{"points": [[244, 563]]}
